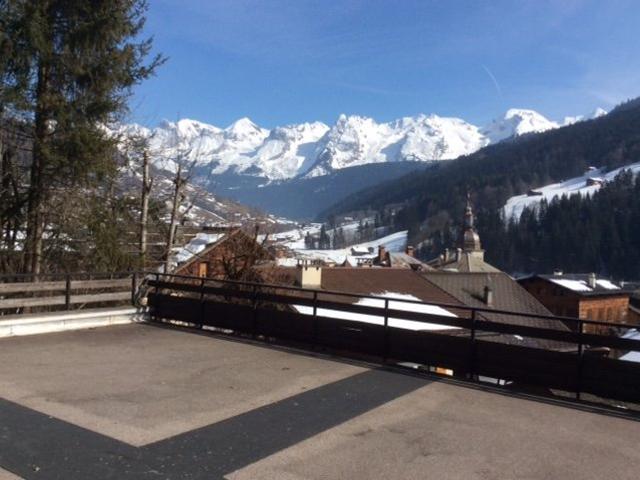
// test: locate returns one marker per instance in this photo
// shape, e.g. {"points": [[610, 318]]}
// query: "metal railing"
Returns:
{"points": [[524, 349], [520, 348]]}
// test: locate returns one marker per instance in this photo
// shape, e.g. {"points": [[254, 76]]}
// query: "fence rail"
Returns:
{"points": [[18, 293], [469, 344]]}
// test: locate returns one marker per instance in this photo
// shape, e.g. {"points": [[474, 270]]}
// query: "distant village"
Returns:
{"points": [[388, 268]]}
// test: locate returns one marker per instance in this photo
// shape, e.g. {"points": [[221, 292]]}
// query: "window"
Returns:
{"points": [[203, 269]]}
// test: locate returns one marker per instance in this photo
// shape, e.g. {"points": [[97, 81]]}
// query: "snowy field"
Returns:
{"points": [[574, 186], [396, 242]]}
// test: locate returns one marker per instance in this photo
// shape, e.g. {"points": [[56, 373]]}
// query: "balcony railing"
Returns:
{"points": [[475, 343]]}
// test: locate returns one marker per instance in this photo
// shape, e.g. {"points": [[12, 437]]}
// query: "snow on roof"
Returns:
{"points": [[575, 285], [196, 245], [632, 356], [607, 284], [394, 305], [582, 285]]}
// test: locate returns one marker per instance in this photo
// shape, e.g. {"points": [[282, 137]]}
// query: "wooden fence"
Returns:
{"points": [[19, 294], [473, 347]]}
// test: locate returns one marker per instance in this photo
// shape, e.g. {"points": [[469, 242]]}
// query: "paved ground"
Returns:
{"points": [[144, 402]]}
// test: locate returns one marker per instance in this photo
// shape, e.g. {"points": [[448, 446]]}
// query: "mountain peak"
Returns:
{"points": [[516, 122], [242, 125]]}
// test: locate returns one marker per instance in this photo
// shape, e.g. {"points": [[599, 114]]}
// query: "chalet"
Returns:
{"points": [[469, 256], [593, 181], [219, 253], [404, 259], [582, 296]]}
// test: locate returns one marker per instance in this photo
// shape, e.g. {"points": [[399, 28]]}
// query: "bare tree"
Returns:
{"points": [[242, 253], [177, 199], [147, 183]]}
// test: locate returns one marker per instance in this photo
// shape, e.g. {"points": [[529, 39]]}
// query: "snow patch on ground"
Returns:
{"points": [[396, 242], [574, 186]]}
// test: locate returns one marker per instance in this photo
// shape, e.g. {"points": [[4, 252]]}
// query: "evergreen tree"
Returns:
{"points": [[71, 69]]}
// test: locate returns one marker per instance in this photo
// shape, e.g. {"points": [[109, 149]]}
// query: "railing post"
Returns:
{"points": [[315, 319], [472, 355], [202, 303], [580, 359], [67, 292], [385, 356], [255, 311], [134, 287]]}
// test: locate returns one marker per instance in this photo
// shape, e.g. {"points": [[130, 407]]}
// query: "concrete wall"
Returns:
{"points": [[14, 325]]}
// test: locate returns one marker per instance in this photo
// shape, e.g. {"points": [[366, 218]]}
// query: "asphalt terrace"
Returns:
{"points": [[142, 402]]}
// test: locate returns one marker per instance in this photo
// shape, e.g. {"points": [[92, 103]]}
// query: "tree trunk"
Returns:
{"points": [[174, 215], [36, 194], [144, 209]]}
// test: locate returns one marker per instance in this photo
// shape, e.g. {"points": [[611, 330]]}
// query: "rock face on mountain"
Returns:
{"points": [[307, 150]]}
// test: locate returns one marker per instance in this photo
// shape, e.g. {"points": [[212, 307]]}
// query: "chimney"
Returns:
{"points": [[488, 296], [557, 272], [410, 250], [591, 281], [382, 254], [458, 254], [308, 275]]}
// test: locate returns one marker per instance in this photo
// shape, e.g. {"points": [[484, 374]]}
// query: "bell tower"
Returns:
{"points": [[470, 238]]}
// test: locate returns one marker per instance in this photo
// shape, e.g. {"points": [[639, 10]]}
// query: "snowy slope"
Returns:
{"points": [[289, 150], [574, 186], [314, 149]]}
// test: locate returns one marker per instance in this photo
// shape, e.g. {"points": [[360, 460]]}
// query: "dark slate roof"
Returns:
{"points": [[369, 281], [372, 281], [508, 295], [578, 283]]}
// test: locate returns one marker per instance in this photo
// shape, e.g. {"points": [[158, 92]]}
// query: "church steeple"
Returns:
{"points": [[470, 238]]}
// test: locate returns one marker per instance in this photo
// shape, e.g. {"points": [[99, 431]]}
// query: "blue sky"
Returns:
{"points": [[281, 62]]}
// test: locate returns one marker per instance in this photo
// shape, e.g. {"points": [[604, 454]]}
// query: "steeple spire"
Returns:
{"points": [[470, 238]]}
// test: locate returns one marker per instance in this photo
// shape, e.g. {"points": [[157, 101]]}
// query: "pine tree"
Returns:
{"points": [[72, 66]]}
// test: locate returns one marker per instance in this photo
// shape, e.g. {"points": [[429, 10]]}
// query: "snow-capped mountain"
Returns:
{"points": [[289, 150], [358, 140], [315, 149], [517, 122]]}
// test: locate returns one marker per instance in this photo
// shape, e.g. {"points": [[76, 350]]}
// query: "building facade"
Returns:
{"points": [[582, 296]]}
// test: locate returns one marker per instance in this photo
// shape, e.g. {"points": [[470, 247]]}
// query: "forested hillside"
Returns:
{"points": [[599, 233], [433, 200]]}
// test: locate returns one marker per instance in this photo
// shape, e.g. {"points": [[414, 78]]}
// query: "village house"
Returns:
{"points": [[385, 258], [221, 252], [584, 296]]}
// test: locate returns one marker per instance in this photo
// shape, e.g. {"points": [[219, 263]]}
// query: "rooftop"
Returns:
{"points": [[142, 401], [584, 284]]}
